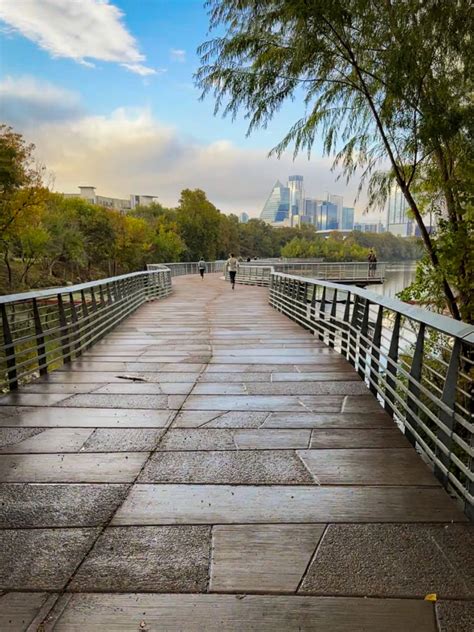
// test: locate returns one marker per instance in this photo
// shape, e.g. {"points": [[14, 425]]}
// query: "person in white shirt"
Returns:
{"points": [[232, 265]]}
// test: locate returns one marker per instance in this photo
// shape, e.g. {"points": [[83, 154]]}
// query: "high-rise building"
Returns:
{"points": [[398, 221], [277, 206], [347, 219], [327, 216], [295, 186], [338, 201], [243, 218]]}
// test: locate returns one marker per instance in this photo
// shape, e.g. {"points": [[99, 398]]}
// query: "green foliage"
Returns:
{"points": [[385, 83]]}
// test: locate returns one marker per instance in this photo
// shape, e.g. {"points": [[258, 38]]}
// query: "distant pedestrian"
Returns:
{"points": [[372, 259], [232, 265], [201, 267], [248, 259]]}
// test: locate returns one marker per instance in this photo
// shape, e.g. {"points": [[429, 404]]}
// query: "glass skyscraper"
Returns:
{"points": [[295, 186], [277, 206], [347, 218]]}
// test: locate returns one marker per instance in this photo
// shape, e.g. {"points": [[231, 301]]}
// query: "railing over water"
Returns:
{"points": [[419, 364], [43, 329], [259, 272]]}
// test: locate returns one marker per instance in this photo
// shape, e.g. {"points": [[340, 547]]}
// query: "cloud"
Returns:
{"points": [[85, 30], [177, 54], [25, 100], [130, 151]]}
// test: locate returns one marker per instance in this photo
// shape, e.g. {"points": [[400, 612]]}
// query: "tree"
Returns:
{"points": [[198, 223], [385, 82]]}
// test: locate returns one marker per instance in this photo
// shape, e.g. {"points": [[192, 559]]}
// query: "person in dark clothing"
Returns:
{"points": [[202, 267]]}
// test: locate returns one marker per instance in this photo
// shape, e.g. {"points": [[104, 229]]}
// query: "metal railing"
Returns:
{"points": [[258, 273], [418, 364], [43, 329], [190, 267]]}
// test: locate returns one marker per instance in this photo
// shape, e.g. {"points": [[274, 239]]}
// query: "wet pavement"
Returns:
{"points": [[210, 465]]}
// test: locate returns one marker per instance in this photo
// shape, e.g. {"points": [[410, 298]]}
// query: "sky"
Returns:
{"points": [[105, 91]]}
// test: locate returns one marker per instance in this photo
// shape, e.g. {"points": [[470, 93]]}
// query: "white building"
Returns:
{"points": [[88, 193]]}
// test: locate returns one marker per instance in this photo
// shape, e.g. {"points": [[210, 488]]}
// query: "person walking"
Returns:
{"points": [[232, 265], [201, 267], [370, 259]]}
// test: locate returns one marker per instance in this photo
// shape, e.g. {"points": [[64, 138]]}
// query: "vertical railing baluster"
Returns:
{"points": [[85, 317], [414, 385], [363, 341], [64, 333], [332, 319], [449, 399], [75, 326], [9, 350], [353, 332], [392, 365], [321, 315], [40, 343], [375, 352], [345, 326]]}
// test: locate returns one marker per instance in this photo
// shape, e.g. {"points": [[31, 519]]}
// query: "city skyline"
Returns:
{"points": [[122, 111]]}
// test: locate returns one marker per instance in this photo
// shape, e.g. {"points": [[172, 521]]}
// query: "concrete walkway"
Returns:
{"points": [[211, 466]]}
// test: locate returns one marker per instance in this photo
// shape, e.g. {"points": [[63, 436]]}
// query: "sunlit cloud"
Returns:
{"points": [[130, 151], [83, 31]]}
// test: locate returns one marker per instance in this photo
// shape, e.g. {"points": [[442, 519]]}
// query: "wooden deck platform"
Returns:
{"points": [[210, 466]]}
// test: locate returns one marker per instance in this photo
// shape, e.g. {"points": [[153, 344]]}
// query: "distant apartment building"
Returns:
{"points": [[243, 218], [398, 222], [338, 201], [89, 194]]}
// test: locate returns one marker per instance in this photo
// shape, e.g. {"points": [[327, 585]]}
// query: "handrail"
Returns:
{"points": [[417, 363], [43, 329]]}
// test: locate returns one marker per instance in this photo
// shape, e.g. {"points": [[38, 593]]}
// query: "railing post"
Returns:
{"points": [[75, 325], [353, 333], [40, 346], [449, 399], [322, 314], [413, 385], [333, 319], [375, 355], [85, 313], [391, 366], [364, 330], [64, 337], [345, 318], [9, 350]]}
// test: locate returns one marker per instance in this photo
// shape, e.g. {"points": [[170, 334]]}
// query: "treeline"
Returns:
{"points": [[355, 247], [48, 239]]}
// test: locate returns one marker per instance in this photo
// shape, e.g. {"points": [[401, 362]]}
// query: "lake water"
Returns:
{"points": [[398, 276]]}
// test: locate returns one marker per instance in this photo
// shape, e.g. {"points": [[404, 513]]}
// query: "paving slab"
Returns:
{"points": [[117, 377], [261, 558], [288, 403], [240, 504], [223, 467], [146, 388], [29, 505], [156, 402], [41, 559], [237, 613], [18, 609], [317, 376], [31, 399], [358, 438], [455, 616], [389, 466], [65, 389], [87, 418], [157, 559], [11, 436], [230, 378], [361, 404], [332, 420], [122, 440], [51, 440], [219, 419], [397, 560], [115, 467]]}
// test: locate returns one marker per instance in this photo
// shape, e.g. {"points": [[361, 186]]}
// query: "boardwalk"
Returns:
{"points": [[211, 466]]}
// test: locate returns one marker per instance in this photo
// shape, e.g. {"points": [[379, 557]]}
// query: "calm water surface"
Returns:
{"points": [[398, 276]]}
